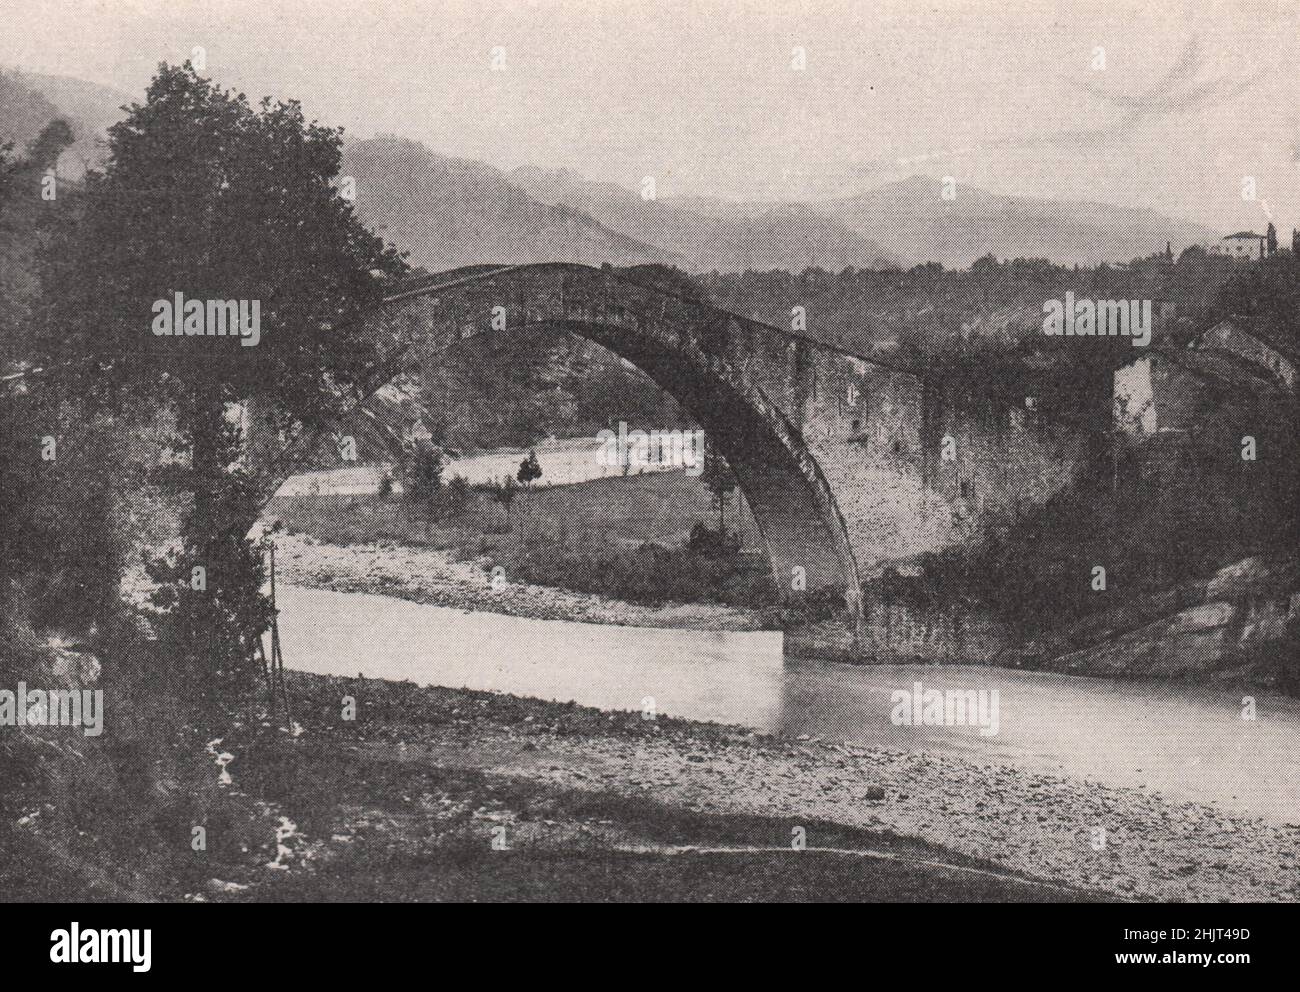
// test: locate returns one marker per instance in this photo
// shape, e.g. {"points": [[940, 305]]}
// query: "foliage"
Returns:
{"points": [[918, 315], [458, 495], [500, 390], [1268, 293], [63, 463], [206, 196], [720, 480], [44, 151], [530, 470], [503, 491], [60, 531], [649, 573], [811, 607], [422, 474], [705, 540], [6, 172]]}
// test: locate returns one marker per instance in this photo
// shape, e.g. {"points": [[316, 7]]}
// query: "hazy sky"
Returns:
{"points": [[703, 95]]}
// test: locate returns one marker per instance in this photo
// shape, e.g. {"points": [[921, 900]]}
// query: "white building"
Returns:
{"points": [[1243, 244]]}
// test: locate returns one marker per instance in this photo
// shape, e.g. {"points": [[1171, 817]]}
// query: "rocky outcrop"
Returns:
{"points": [[1243, 624]]}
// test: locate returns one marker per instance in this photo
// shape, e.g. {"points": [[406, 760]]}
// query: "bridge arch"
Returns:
{"points": [[694, 352]]}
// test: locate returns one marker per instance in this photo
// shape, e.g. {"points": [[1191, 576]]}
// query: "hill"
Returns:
{"points": [[790, 237], [912, 220], [30, 100], [450, 212]]}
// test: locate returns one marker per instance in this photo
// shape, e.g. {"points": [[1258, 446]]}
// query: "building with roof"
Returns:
{"points": [[1243, 244], [1169, 390]]}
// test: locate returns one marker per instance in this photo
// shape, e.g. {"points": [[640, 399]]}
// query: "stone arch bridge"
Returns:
{"points": [[837, 454]]}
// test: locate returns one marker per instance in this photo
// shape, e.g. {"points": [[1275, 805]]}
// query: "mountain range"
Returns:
{"points": [[447, 212], [770, 236], [913, 219]]}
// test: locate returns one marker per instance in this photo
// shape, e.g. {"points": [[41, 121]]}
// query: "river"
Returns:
{"points": [[1183, 742]]}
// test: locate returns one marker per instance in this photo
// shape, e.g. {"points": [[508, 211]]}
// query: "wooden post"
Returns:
{"points": [[277, 657]]}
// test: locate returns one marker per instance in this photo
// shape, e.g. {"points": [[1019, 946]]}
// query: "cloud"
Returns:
{"points": [[1175, 92]]}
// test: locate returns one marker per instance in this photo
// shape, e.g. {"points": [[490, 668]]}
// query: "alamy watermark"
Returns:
{"points": [[53, 708], [179, 317], [102, 946], [1098, 318], [921, 707], [653, 449]]}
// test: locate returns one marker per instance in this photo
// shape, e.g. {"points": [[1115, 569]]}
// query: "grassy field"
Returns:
{"points": [[622, 537], [659, 506]]}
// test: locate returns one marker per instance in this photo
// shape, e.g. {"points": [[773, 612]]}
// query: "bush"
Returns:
{"points": [[458, 495], [650, 573], [422, 474], [705, 540], [812, 607]]}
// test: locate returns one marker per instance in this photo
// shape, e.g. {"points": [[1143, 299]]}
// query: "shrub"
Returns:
{"points": [[422, 474], [649, 573], [705, 540], [458, 495]]}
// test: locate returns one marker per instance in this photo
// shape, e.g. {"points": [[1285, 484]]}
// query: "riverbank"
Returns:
{"points": [[438, 578], [536, 761], [439, 794], [1220, 637]]}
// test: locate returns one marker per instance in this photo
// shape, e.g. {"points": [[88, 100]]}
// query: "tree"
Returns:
{"points": [[62, 468], [530, 470], [205, 196], [422, 473], [44, 151], [720, 479], [422, 480], [1267, 298], [1271, 236]]}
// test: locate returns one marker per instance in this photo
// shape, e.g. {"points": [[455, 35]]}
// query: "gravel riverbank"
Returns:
{"points": [[1071, 836], [1074, 835], [428, 575]]}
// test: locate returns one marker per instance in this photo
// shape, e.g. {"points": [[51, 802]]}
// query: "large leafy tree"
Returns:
{"points": [[208, 196]]}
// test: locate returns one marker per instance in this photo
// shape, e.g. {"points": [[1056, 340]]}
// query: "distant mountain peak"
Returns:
{"points": [[711, 234], [450, 212]]}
